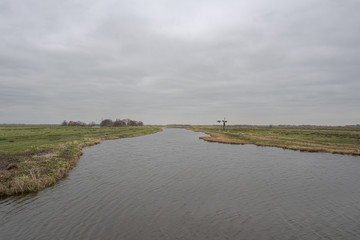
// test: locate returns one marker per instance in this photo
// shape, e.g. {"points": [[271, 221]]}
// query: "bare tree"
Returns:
{"points": [[106, 123], [64, 123], [127, 120], [92, 123], [131, 123], [119, 123], [80, 123]]}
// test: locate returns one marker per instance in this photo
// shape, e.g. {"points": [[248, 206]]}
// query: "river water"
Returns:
{"points": [[171, 185]]}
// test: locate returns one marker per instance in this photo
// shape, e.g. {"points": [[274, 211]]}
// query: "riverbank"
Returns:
{"points": [[339, 140], [35, 157]]}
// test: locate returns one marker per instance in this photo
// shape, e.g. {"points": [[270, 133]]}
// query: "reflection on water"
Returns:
{"points": [[171, 185]]}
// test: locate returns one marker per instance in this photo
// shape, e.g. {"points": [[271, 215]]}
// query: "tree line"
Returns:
{"points": [[120, 123], [105, 123]]}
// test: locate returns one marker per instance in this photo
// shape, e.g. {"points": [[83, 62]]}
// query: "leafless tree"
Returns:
{"points": [[131, 123], [92, 123], [119, 123], [126, 121], [80, 123], [106, 123], [64, 123]]}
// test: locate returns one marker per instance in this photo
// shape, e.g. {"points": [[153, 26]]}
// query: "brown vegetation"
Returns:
{"points": [[32, 172], [35, 157], [340, 140]]}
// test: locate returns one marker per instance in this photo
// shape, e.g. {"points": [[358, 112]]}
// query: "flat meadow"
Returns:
{"points": [[340, 140]]}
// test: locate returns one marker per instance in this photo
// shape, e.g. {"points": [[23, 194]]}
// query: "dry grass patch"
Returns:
{"points": [[49, 158], [340, 140]]}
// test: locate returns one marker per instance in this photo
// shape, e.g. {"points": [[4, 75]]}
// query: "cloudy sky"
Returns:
{"points": [[193, 62]]}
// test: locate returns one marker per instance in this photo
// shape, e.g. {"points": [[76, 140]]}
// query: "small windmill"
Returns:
{"points": [[224, 122]]}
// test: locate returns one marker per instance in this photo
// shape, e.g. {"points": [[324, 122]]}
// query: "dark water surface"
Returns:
{"points": [[171, 185]]}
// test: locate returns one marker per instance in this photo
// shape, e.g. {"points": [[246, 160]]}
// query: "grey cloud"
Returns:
{"points": [[185, 62]]}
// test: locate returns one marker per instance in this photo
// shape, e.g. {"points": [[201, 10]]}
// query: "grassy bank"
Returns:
{"points": [[341, 140], [35, 157]]}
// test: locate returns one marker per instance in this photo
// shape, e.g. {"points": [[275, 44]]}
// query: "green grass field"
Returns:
{"points": [[341, 140], [34, 157]]}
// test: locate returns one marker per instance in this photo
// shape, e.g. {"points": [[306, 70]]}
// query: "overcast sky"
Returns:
{"points": [[190, 62]]}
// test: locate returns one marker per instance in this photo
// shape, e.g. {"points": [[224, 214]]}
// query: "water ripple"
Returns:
{"points": [[171, 185]]}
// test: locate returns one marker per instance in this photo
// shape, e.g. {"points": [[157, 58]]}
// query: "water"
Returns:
{"points": [[171, 185]]}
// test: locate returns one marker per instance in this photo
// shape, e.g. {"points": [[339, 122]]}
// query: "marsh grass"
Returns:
{"points": [[35, 157], [340, 140]]}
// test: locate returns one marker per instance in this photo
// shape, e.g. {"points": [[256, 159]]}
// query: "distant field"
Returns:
{"points": [[34, 157], [341, 140]]}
